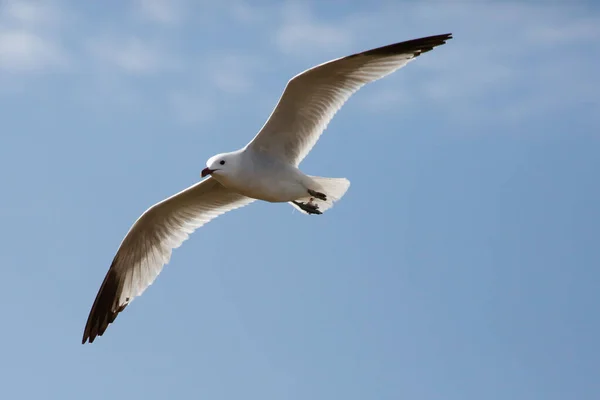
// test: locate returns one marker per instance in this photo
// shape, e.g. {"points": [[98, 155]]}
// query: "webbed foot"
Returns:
{"points": [[318, 195], [310, 207]]}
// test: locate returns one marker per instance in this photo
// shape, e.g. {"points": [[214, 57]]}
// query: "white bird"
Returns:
{"points": [[265, 169]]}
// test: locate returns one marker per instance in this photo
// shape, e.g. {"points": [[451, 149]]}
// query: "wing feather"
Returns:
{"points": [[312, 98], [148, 245]]}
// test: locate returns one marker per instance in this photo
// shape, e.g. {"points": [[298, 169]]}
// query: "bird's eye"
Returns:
{"points": [[222, 162]]}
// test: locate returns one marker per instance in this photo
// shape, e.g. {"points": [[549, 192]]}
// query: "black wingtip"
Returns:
{"points": [[415, 46], [104, 310]]}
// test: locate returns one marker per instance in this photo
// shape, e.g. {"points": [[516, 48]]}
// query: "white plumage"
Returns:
{"points": [[265, 169]]}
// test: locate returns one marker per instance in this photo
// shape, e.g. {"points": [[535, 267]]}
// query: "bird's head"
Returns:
{"points": [[220, 165]]}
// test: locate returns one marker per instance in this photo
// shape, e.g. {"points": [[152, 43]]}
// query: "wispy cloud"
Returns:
{"points": [[476, 75], [384, 100], [232, 73], [302, 33], [29, 40], [564, 31], [190, 109], [32, 14], [473, 77], [167, 12], [210, 81], [132, 55], [245, 13], [25, 51]]}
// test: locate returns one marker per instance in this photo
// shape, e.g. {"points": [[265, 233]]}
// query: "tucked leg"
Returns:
{"points": [[318, 195], [310, 208]]}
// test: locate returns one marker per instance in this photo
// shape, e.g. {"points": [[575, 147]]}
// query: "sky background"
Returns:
{"points": [[463, 262]]}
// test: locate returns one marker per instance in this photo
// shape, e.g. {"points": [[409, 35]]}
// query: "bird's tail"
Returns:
{"points": [[333, 188]]}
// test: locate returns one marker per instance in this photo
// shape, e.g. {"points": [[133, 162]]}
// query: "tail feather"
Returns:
{"points": [[333, 188]]}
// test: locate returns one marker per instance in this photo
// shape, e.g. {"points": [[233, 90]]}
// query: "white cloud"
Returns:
{"points": [[29, 13], [160, 11], [209, 81], [384, 99], [25, 51], [190, 109], [507, 61], [245, 13], [565, 31], [106, 93], [29, 40], [301, 33], [131, 55], [232, 73], [231, 81]]}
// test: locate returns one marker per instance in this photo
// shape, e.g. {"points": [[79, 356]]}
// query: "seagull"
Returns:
{"points": [[265, 169]]}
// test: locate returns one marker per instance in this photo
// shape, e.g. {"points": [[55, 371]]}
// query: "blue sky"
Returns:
{"points": [[461, 264]]}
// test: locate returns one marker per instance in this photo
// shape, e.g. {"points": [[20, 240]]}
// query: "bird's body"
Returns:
{"points": [[265, 169], [262, 177]]}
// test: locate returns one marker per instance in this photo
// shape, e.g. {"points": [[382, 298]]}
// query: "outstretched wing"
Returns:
{"points": [[311, 99], [148, 245]]}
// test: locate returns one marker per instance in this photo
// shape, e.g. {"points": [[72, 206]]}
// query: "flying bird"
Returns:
{"points": [[265, 169]]}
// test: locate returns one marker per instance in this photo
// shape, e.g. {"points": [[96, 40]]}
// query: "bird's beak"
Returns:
{"points": [[206, 171]]}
